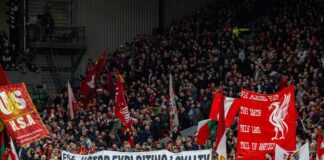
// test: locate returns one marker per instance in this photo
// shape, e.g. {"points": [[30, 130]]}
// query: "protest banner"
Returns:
{"points": [[152, 155]]}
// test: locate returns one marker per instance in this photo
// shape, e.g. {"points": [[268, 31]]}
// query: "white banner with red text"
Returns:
{"points": [[151, 155]]}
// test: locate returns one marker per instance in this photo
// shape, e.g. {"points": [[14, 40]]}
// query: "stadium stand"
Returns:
{"points": [[283, 46]]}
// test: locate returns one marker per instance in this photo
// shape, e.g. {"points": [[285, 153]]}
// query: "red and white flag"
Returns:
{"points": [[121, 108], [13, 151], [204, 129], [4, 80], [320, 147], [231, 107], [73, 104], [266, 120], [173, 113], [221, 135], [89, 83]]}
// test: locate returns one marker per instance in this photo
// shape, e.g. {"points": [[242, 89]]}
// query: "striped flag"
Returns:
{"points": [[231, 106]]}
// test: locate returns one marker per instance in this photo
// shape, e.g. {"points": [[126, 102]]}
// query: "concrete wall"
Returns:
{"points": [[179, 8], [111, 23], [3, 16]]}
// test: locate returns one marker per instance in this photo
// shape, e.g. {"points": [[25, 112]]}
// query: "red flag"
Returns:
{"points": [[4, 80], [320, 147], [18, 112], [264, 121], [121, 108], [88, 84], [231, 106], [221, 136], [204, 129], [73, 104]]}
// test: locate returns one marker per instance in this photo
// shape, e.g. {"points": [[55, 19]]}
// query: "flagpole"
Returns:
{"points": [[302, 124]]}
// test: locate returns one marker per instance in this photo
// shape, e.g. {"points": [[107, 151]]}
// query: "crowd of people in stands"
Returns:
{"points": [[203, 56], [12, 58]]}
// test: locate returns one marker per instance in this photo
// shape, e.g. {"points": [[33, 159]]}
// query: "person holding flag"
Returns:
{"points": [[89, 83], [121, 108]]}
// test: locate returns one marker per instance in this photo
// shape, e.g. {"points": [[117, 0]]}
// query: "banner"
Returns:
{"points": [[19, 114], [152, 155], [264, 121]]}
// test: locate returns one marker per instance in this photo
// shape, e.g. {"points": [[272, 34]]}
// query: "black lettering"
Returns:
{"points": [[200, 157], [207, 157], [106, 158], [100, 158], [65, 156], [148, 157], [157, 157], [164, 157], [177, 158], [138, 158]]}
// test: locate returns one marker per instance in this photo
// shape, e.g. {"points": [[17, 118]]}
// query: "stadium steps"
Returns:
{"points": [[56, 69]]}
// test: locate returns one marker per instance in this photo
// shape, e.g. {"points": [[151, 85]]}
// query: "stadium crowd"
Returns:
{"points": [[203, 56], [13, 59]]}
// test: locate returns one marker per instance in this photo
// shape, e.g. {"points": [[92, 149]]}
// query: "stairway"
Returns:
{"points": [[56, 69]]}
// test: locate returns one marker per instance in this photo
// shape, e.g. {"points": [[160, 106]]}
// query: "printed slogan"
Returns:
{"points": [[264, 122], [153, 155], [19, 115]]}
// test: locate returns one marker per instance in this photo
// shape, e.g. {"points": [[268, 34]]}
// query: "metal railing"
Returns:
{"points": [[40, 33]]}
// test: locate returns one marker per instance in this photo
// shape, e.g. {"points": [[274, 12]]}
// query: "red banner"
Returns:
{"points": [[19, 114], [264, 121], [121, 107]]}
